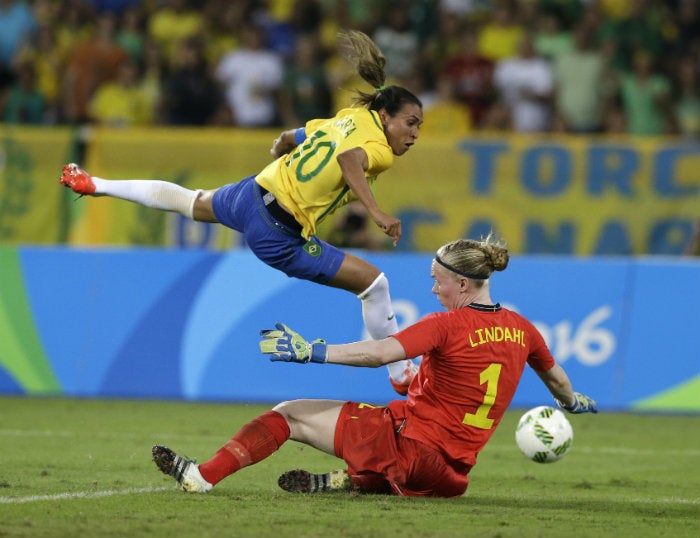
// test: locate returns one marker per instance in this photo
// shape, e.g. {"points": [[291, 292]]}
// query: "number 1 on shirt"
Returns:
{"points": [[480, 419]]}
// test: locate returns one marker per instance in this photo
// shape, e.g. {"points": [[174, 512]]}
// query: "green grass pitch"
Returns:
{"points": [[82, 468]]}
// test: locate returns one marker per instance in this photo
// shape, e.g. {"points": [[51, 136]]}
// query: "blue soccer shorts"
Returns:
{"points": [[240, 206]]}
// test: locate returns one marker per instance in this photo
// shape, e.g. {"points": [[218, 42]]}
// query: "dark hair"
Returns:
{"points": [[361, 52]]}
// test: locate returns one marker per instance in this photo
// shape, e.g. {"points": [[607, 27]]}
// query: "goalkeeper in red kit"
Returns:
{"points": [[473, 356]]}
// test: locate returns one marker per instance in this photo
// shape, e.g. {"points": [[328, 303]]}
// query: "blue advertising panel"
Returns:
{"points": [[185, 324]]}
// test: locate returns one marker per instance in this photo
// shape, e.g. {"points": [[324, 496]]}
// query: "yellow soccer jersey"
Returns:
{"points": [[308, 180]]}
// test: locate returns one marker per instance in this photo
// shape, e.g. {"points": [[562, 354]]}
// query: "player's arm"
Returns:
{"points": [[368, 353], [285, 344], [287, 141], [559, 385], [353, 165]]}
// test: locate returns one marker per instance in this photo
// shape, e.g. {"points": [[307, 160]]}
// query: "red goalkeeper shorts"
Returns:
{"points": [[380, 459]]}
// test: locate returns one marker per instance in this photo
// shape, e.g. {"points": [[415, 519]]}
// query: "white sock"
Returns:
{"points": [[150, 193], [380, 320]]}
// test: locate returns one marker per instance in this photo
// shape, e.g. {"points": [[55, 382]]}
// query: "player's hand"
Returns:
{"points": [[277, 149], [391, 226], [284, 344], [582, 404]]}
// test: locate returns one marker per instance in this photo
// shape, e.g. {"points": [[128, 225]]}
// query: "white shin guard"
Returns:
{"points": [[377, 312], [380, 319]]}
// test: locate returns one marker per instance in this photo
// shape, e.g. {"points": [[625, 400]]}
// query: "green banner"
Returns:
{"points": [[32, 206]]}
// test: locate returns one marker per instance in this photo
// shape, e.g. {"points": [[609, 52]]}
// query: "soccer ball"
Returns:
{"points": [[544, 434]]}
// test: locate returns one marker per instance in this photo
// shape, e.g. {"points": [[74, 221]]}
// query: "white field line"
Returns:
{"points": [[80, 495]]}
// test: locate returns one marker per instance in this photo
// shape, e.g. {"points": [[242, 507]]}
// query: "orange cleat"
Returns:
{"points": [[77, 179]]}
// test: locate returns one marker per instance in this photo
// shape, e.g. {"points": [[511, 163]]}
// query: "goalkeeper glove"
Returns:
{"points": [[284, 344], [582, 404]]}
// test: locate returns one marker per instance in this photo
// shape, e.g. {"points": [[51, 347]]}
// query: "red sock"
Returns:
{"points": [[253, 443]]}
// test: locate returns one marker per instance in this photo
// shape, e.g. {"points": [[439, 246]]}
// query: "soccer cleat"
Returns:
{"points": [[182, 469], [77, 179], [299, 481], [409, 373]]}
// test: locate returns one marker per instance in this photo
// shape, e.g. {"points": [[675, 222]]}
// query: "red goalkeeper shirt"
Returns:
{"points": [[473, 359]]}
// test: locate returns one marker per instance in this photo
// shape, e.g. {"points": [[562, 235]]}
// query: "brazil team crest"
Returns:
{"points": [[312, 249]]}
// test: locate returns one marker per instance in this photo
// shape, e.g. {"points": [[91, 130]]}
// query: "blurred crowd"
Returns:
{"points": [[575, 66]]}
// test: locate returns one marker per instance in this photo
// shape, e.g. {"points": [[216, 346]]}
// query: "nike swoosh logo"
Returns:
{"points": [[391, 317]]}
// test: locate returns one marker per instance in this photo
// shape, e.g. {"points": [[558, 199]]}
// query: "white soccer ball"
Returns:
{"points": [[544, 434]]}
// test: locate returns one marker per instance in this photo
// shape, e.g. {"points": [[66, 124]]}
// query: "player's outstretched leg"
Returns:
{"points": [[182, 469], [77, 179], [299, 481], [153, 193]]}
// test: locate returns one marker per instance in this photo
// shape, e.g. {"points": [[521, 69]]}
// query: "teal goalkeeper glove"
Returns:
{"points": [[582, 404], [284, 344]]}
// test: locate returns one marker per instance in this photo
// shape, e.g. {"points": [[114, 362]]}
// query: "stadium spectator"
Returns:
{"points": [[398, 40], [501, 35], [73, 23], [668, 30], [25, 103], [444, 114], [190, 95], [472, 77], [580, 76], [297, 18], [17, 26], [686, 98], [525, 84], [152, 70], [277, 214], [171, 23], [568, 13], [223, 21], [122, 102], [550, 38], [686, 21], [645, 95], [92, 62], [48, 66], [252, 78], [636, 30], [119, 7], [426, 445], [306, 94], [614, 118], [130, 34], [442, 44], [498, 119]]}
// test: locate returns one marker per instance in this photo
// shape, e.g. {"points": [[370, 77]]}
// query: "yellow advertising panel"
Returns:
{"points": [[553, 194], [558, 194], [543, 194]]}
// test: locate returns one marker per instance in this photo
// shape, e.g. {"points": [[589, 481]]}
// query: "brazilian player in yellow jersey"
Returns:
{"points": [[317, 169]]}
